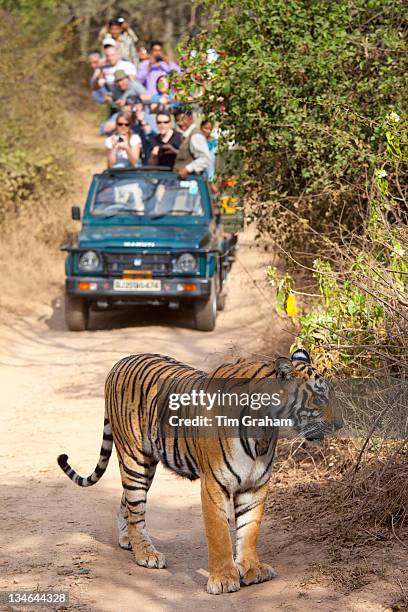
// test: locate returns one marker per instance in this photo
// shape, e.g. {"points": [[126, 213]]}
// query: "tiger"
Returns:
{"points": [[234, 470]]}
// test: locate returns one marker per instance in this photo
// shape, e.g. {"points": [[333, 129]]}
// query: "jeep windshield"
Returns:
{"points": [[153, 197]]}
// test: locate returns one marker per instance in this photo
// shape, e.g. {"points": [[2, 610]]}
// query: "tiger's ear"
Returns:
{"points": [[301, 355], [283, 367]]}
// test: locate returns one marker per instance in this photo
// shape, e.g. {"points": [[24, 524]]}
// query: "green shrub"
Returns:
{"points": [[361, 324], [299, 85]]}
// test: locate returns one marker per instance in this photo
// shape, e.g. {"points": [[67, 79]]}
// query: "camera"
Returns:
{"points": [[121, 139], [159, 58], [132, 100]]}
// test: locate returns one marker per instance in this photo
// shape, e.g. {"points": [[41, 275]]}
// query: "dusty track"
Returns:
{"points": [[52, 388], [56, 535]]}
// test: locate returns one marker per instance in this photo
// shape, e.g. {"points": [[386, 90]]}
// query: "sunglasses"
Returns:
{"points": [[159, 122], [123, 124]]}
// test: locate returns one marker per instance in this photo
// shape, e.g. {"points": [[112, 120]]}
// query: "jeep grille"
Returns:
{"points": [[158, 263]]}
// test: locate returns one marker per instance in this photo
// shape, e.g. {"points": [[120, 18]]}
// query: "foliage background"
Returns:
{"points": [[33, 154], [35, 151], [302, 86], [307, 90]]}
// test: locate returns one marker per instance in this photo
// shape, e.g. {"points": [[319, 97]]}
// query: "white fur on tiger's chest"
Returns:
{"points": [[244, 471]]}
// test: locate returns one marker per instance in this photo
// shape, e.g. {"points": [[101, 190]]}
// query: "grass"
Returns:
{"points": [[31, 265]]}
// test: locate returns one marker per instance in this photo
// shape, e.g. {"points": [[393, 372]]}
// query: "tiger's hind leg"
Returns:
{"points": [[249, 508], [136, 480]]}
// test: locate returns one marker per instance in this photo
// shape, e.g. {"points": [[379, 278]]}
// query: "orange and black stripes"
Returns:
{"points": [[137, 410]]}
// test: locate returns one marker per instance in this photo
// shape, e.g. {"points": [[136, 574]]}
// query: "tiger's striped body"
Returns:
{"points": [[229, 468]]}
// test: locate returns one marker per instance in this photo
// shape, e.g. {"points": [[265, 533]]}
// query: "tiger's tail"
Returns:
{"points": [[106, 451]]}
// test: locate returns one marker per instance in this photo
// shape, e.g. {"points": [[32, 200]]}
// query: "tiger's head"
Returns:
{"points": [[308, 397]]}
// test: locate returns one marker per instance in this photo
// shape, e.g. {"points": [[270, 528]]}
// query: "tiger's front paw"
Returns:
{"points": [[254, 572], [226, 582], [151, 559]]}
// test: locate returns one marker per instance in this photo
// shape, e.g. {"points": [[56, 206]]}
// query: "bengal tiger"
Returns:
{"points": [[236, 469]]}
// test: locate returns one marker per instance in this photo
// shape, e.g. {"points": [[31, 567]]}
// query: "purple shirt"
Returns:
{"points": [[148, 74]]}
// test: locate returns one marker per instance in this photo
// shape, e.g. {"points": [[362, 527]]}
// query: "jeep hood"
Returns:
{"points": [[144, 236]]}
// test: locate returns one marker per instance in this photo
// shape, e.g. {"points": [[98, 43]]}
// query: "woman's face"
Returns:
{"points": [[206, 129], [123, 126], [163, 124], [163, 85]]}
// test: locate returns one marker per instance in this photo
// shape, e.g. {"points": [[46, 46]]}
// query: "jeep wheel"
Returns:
{"points": [[221, 301], [205, 311], [76, 313]]}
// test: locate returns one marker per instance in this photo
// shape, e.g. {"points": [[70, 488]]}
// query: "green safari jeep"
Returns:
{"points": [[147, 237]]}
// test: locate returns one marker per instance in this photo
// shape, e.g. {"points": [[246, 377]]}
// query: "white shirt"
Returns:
{"points": [[109, 71], [199, 150], [121, 154]]}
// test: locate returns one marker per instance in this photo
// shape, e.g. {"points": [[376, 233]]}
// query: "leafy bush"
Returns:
{"points": [[299, 85], [361, 324]]}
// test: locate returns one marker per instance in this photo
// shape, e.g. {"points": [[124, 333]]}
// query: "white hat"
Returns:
{"points": [[109, 41]]}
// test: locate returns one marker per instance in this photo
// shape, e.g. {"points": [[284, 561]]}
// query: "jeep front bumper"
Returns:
{"points": [[97, 288]]}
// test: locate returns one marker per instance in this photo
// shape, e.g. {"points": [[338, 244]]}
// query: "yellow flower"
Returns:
{"points": [[291, 308], [228, 205]]}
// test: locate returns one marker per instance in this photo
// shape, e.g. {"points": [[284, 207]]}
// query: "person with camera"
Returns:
{"points": [[158, 64], [167, 142], [142, 126], [101, 93], [105, 75], [123, 40], [123, 90], [126, 29], [123, 147]]}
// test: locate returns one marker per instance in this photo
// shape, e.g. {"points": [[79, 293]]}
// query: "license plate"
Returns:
{"points": [[136, 285]]}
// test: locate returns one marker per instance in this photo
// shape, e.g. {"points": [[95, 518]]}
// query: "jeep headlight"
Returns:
{"points": [[89, 261], [186, 262]]}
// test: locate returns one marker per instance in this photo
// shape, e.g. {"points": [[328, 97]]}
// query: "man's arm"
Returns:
{"points": [[137, 89], [132, 35], [169, 66], [142, 71], [133, 53], [199, 150], [97, 78]]}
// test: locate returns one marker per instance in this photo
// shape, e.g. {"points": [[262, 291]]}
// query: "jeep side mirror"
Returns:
{"points": [[75, 213]]}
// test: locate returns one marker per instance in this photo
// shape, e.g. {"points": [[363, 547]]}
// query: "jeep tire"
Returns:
{"points": [[76, 313], [205, 311], [221, 301]]}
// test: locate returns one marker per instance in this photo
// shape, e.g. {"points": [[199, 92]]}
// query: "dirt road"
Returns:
{"points": [[58, 536]]}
